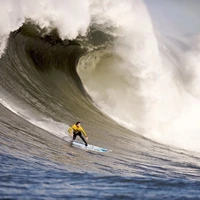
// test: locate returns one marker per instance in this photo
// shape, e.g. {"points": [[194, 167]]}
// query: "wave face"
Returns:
{"points": [[124, 71]]}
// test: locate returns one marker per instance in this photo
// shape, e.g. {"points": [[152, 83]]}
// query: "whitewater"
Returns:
{"points": [[128, 70]]}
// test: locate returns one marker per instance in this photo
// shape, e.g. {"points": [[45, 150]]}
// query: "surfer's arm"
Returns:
{"points": [[70, 129], [85, 134]]}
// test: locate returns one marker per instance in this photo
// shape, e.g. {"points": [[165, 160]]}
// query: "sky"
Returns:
{"points": [[175, 16]]}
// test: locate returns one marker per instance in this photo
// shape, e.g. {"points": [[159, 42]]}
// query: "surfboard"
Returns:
{"points": [[89, 147]]}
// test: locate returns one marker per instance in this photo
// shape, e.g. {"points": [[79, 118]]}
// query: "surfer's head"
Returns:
{"points": [[78, 123]]}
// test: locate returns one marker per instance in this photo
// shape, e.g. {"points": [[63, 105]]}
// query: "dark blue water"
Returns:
{"points": [[34, 178]]}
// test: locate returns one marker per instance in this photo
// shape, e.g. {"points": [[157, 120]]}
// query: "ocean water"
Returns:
{"points": [[128, 70]]}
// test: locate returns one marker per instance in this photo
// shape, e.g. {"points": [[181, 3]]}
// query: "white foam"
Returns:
{"points": [[71, 17], [142, 88]]}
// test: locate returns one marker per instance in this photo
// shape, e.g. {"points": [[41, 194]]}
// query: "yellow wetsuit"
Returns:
{"points": [[77, 129]]}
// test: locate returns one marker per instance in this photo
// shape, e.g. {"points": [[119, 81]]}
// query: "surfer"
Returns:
{"points": [[77, 131]]}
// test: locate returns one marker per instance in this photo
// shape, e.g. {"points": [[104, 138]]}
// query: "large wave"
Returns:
{"points": [[142, 78]]}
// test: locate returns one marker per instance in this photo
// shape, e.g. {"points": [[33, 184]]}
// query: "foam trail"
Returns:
{"points": [[34, 117]]}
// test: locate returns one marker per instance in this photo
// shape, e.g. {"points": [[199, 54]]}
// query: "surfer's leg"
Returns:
{"points": [[80, 135], [74, 135]]}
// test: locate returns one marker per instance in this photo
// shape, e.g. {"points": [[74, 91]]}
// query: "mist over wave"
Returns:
{"points": [[148, 80], [144, 78]]}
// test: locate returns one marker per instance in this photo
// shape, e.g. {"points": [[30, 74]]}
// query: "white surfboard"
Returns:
{"points": [[87, 148]]}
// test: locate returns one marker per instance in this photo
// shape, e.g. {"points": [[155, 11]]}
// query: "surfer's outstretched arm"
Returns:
{"points": [[70, 130], [85, 134]]}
